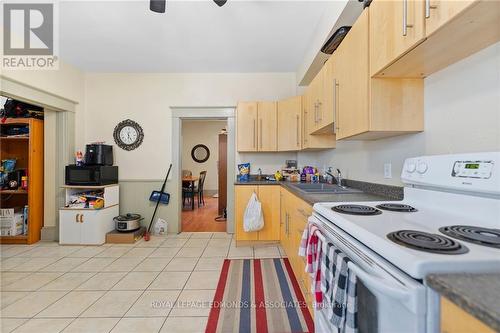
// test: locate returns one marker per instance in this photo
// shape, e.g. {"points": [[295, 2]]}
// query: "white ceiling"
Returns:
{"points": [[192, 36]]}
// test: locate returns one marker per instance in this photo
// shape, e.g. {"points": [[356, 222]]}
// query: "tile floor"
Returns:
{"points": [[164, 285]]}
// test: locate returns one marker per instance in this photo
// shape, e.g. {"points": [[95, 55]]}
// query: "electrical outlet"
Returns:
{"points": [[387, 170]]}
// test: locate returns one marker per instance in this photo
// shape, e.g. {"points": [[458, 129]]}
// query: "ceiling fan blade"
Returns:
{"points": [[157, 6], [220, 3]]}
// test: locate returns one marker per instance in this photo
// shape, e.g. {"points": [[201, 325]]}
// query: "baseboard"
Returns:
{"points": [[49, 234], [209, 193]]}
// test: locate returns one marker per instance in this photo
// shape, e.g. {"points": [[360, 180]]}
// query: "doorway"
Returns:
{"points": [[181, 117], [204, 170]]}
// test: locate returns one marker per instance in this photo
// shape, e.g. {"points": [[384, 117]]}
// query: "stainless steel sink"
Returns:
{"points": [[324, 188]]}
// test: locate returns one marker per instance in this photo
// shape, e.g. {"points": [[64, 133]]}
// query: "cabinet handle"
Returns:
{"points": [[405, 18], [260, 132], [81, 218], [335, 105], [320, 112], [298, 130], [254, 134], [315, 112], [302, 212], [428, 8], [76, 217], [287, 229]]}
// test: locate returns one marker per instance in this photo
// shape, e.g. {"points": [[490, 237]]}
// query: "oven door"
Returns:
{"points": [[389, 301]]}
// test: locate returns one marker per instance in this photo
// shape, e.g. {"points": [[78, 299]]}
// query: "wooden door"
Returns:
{"points": [[290, 124], [439, 12], [390, 38], [222, 173], [351, 80], [267, 126], [269, 196], [246, 126], [241, 198]]}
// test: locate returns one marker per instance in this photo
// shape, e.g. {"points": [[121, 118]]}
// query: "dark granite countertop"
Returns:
{"points": [[477, 294], [370, 191]]}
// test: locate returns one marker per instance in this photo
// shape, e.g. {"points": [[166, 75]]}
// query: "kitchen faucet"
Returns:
{"points": [[338, 178]]}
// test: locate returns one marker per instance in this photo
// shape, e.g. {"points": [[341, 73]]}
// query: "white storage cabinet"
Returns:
{"points": [[88, 226]]}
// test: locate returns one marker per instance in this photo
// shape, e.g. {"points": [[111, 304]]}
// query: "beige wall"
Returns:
{"points": [[462, 114], [202, 132], [147, 98]]}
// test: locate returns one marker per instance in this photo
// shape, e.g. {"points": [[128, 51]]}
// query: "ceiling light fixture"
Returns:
{"points": [[159, 6]]}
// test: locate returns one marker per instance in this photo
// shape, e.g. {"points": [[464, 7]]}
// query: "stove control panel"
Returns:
{"points": [[472, 169], [472, 172]]}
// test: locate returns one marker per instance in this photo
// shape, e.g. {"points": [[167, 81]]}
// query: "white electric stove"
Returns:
{"points": [[448, 222]]}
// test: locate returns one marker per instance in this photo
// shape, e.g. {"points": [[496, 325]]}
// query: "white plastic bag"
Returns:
{"points": [[253, 220], [160, 227]]}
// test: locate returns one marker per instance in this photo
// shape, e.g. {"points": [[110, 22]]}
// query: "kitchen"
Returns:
{"points": [[407, 103]]}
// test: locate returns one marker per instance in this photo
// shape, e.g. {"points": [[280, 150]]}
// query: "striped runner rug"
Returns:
{"points": [[258, 295]]}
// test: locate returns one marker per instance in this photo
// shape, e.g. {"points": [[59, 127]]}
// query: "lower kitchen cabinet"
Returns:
{"points": [[294, 214], [456, 320], [86, 226], [269, 196]]}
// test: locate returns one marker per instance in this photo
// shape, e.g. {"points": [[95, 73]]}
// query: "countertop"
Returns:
{"points": [[477, 294], [371, 191]]}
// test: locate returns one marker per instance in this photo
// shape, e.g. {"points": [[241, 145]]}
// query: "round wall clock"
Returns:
{"points": [[128, 134]]}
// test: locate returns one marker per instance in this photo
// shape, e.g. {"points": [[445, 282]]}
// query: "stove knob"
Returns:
{"points": [[422, 167], [410, 167]]}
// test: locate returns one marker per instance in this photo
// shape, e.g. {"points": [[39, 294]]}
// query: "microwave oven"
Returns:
{"points": [[98, 154], [91, 175]]}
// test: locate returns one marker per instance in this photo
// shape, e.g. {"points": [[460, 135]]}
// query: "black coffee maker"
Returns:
{"points": [[99, 154]]}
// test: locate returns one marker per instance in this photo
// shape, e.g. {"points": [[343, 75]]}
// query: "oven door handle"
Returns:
{"points": [[380, 285]]}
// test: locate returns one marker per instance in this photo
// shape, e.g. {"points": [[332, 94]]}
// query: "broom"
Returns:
{"points": [[158, 196]]}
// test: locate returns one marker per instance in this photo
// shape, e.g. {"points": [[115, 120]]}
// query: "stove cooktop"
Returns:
{"points": [[425, 219], [424, 241]]}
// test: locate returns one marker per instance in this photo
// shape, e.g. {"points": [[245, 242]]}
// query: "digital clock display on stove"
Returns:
{"points": [[472, 166]]}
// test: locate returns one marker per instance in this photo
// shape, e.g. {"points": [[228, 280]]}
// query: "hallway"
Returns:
{"points": [[203, 218]]}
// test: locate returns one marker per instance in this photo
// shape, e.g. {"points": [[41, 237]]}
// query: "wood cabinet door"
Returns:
{"points": [[246, 126], [285, 243], [351, 80], [269, 196], [290, 124], [395, 27], [438, 12], [241, 198], [267, 126]]}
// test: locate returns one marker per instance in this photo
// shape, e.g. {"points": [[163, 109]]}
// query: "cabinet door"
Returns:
{"points": [[351, 80], [269, 196], [290, 124], [284, 220], [395, 28], [267, 126], [246, 123], [96, 224], [438, 12], [241, 198], [70, 228]]}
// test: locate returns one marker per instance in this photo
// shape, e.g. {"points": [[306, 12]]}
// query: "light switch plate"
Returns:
{"points": [[387, 170]]}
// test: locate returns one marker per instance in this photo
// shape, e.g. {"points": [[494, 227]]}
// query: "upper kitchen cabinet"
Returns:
{"points": [[267, 127], [256, 126], [453, 30], [290, 124], [368, 108], [395, 27], [246, 122], [313, 141], [439, 12], [321, 101]]}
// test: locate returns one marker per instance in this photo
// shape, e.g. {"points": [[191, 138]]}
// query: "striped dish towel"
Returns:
{"points": [[338, 285], [310, 248]]}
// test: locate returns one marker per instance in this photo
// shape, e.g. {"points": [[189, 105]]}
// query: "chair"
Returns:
{"points": [[186, 187], [199, 190]]}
